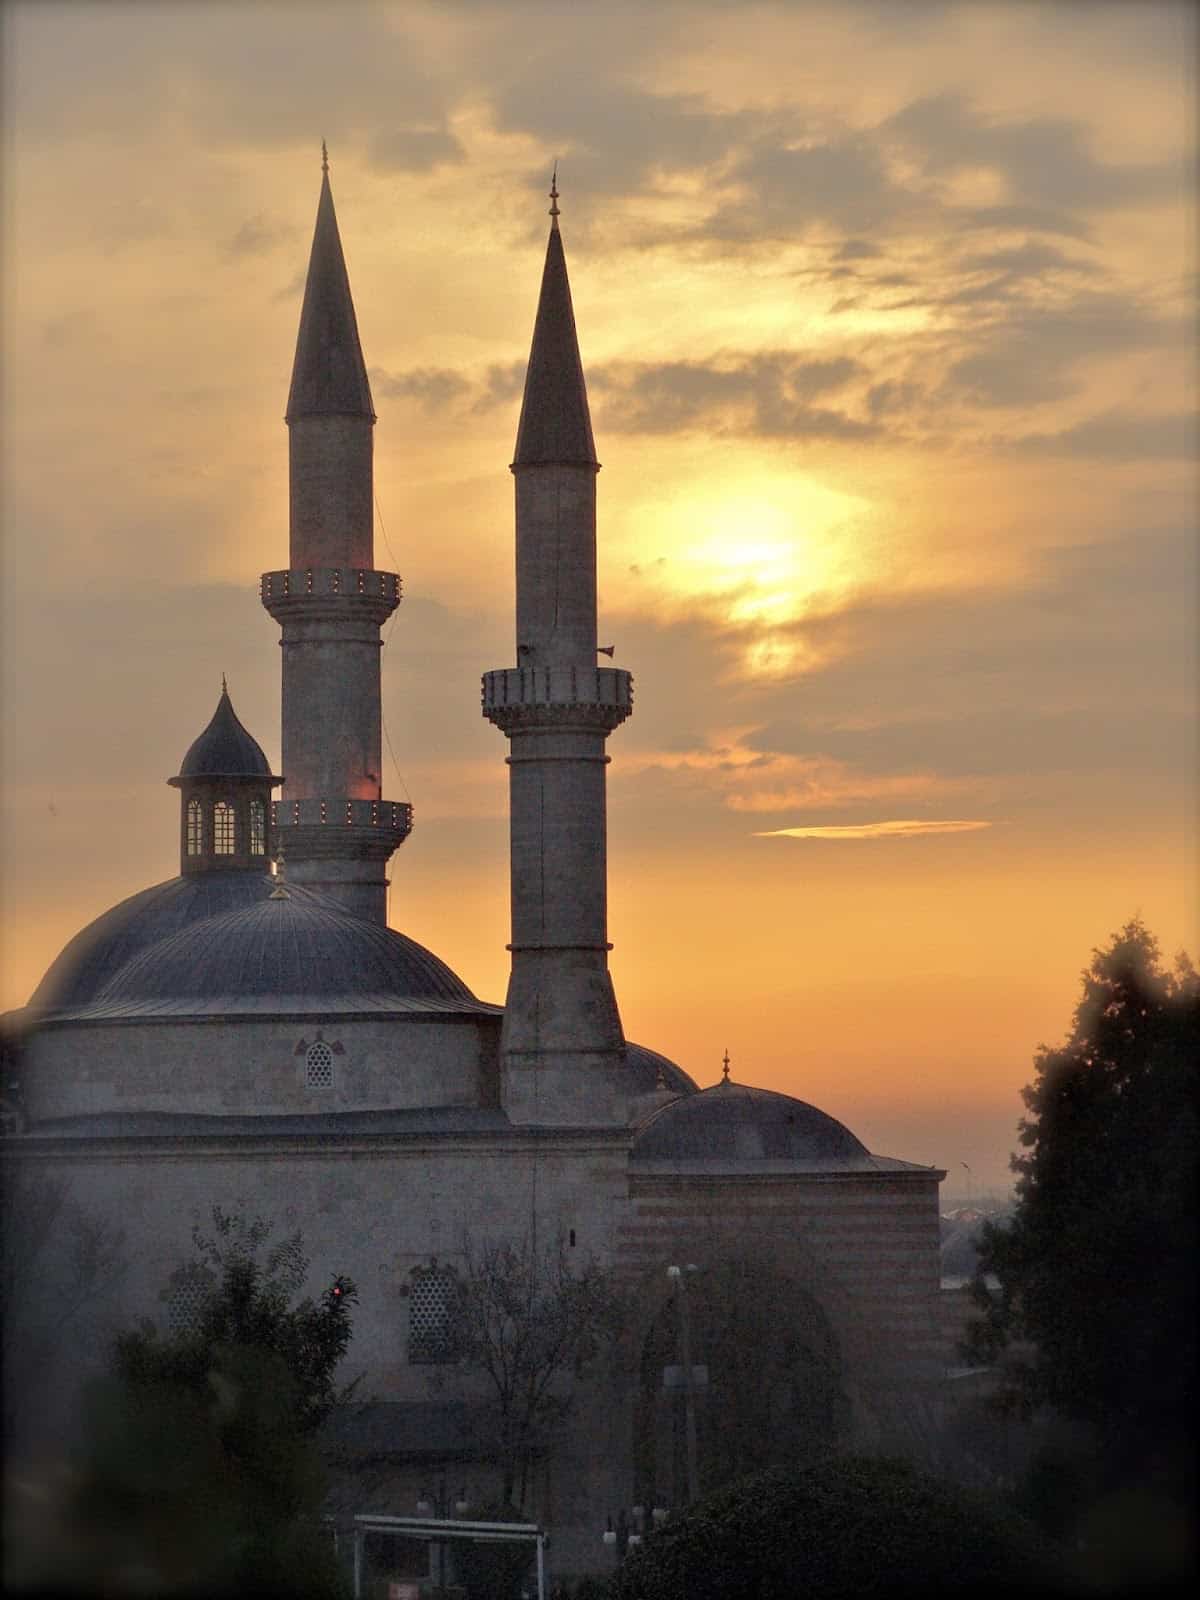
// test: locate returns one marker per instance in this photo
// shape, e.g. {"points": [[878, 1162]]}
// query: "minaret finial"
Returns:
{"points": [[224, 685], [324, 159], [554, 195], [725, 1066]]}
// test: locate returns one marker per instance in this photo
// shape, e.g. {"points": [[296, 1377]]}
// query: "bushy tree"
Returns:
{"points": [[842, 1529], [1097, 1265], [199, 1472]]}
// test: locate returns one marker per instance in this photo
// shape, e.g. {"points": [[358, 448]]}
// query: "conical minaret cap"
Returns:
{"points": [[555, 427], [329, 377]]}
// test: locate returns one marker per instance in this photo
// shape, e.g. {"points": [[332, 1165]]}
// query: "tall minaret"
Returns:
{"points": [[562, 1048], [336, 829]]}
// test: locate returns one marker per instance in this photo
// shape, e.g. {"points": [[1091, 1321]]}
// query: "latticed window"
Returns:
{"points": [[319, 1066], [195, 828], [224, 835], [432, 1305], [188, 1294], [258, 828]]}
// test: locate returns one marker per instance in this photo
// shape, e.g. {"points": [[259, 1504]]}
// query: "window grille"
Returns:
{"points": [[258, 828], [223, 829], [320, 1066], [195, 829], [431, 1316], [189, 1293]]}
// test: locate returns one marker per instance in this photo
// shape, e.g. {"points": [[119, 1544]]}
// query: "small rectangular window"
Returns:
{"points": [[224, 833]]}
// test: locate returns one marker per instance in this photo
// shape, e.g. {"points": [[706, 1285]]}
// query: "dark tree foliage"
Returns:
{"points": [[843, 1529], [199, 1472], [1096, 1309], [249, 1306]]}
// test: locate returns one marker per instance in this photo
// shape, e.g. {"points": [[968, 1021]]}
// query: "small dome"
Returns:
{"points": [[654, 1071], [225, 749], [289, 953], [732, 1123]]}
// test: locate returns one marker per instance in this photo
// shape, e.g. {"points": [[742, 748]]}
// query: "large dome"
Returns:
{"points": [[99, 951], [733, 1124], [285, 953]]}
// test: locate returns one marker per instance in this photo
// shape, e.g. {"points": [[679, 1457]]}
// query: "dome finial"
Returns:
{"points": [[725, 1066], [324, 159], [554, 195], [279, 892]]}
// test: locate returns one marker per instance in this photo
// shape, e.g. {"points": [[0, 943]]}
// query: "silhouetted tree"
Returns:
{"points": [[1096, 1308], [199, 1471], [530, 1322]]}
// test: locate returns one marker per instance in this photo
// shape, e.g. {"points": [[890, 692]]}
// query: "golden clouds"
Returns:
{"points": [[912, 828]]}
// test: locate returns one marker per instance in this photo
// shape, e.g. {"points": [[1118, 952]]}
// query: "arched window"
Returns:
{"points": [[319, 1065], [195, 829], [258, 828], [432, 1315], [224, 834]]}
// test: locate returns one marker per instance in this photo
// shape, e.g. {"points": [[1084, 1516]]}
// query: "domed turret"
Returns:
{"points": [[225, 812]]}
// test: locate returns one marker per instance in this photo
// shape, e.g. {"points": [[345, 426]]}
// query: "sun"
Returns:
{"points": [[760, 551]]}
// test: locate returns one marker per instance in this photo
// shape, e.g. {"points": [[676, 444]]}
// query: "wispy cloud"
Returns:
{"points": [[902, 829]]}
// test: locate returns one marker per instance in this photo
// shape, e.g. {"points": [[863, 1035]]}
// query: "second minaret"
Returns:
{"points": [[334, 826], [562, 1046]]}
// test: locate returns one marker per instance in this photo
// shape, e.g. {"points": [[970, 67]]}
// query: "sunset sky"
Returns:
{"points": [[888, 318]]}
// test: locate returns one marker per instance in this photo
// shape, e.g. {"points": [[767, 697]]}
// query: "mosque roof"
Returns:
{"points": [[734, 1126], [555, 426], [287, 952], [225, 749], [216, 943], [329, 376]]}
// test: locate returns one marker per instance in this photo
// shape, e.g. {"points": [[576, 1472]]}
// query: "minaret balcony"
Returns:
{"points": [[338, 826], [590, 698], [311, 593]]}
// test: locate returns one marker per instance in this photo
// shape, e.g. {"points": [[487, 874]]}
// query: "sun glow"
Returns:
{"points": [[762, 552]]}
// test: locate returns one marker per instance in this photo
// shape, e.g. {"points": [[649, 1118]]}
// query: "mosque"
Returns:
{"points": [[252, 1034]]}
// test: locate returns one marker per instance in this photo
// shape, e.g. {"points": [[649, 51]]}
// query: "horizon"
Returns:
{"points": [[888, 324]]}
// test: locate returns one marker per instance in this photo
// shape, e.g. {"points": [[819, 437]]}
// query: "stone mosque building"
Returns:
{"points": [[263, 1041]]}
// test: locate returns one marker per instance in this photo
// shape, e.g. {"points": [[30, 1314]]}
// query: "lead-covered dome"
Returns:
{"points": [[286, 953], [734, 1124]]}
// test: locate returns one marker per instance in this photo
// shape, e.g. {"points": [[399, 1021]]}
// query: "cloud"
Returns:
{"points": [[260, 234], [1033, 352], [767, 393], [434, 387], [1045, 160], [413, 149], [909, 829], [1119, 436]]}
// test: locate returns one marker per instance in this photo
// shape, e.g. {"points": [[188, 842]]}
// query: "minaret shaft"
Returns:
{"points": [[556, 565]]}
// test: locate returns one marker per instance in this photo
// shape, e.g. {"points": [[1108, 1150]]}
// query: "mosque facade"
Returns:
{"points": [[251, 1034]]}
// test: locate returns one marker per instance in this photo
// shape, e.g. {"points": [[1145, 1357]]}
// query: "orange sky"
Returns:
{"points": [[888, 319]]}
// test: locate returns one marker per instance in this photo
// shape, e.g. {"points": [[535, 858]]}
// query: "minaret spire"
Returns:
{"points": [[555, 425], [562, 1048], [331, 602]]}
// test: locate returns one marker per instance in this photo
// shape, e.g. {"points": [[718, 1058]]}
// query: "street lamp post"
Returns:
{"points": [[679, 1276]]}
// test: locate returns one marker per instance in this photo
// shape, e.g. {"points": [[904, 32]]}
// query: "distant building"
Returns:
{"points": [[264, 1041]]}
